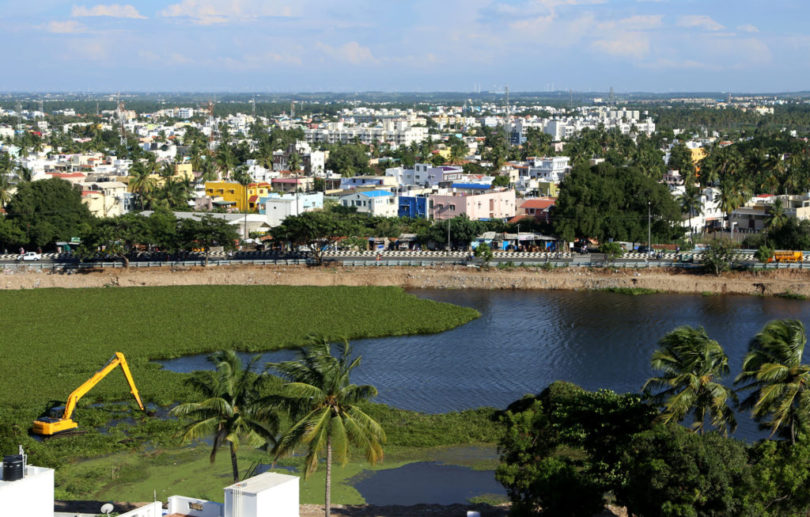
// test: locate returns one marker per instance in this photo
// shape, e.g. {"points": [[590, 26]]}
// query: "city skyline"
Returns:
{"points": [[413, 46]]}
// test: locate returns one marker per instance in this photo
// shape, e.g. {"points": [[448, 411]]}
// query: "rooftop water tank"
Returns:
{"points": [[12, 467]]}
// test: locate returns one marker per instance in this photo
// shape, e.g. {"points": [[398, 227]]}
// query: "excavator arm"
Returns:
{"points": [[49, 426]]}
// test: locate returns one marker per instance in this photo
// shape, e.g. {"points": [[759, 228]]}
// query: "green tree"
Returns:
{"points": [[458, 149], [325, 408], [612, 250], [690, 204], [781, 475], [311, 229], [462, 231], [348, 160], [484, 252], [206, 232], [607, 202], [47, 211], [117, 237], [717, 257], [232, 408], [763, 253], [570, 434], [777, 380], [692, 365], [776, 216], [141, 183], [672, 472], [501, 180]]}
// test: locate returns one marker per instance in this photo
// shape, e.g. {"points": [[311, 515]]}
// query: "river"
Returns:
{"points": [[524, 340]]}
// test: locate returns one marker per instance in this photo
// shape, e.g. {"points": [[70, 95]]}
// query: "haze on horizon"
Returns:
{"points": [[407, 45]]}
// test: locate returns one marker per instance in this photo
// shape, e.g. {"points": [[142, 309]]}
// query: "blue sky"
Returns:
{"points": [[405, 45]]}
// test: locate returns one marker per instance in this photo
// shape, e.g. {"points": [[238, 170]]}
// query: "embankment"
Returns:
{"points": [[450, 277]]}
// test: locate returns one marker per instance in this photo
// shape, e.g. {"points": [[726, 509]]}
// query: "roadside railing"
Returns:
{"points": [[417, 258]]}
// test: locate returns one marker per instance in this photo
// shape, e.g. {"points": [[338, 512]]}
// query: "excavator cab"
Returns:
{"points": [[58, 419]]}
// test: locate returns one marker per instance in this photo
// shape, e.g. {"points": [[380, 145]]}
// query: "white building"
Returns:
{"points": [[424, 175], [278, 207], [25, 489], [380, 203], [551, 169], [29, 492]]}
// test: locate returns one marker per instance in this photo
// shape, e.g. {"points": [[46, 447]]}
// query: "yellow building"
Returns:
{"points": [[236, 194], [183, 171]]}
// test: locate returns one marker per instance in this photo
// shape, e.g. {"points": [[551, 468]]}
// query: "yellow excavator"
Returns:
{"points": [[50, 425]]}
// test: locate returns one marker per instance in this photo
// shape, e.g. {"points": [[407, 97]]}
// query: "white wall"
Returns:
{"points": [[150, 510], [194, 507], [31, 496]]}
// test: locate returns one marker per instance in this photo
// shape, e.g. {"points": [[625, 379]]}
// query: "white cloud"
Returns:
{"points": [[351, 52], [641, 22], [66, 27], [111, 10], [211, 12], [699, 21], [628, 44], [747, 28]]}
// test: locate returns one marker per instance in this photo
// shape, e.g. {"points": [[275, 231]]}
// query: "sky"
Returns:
{"points": [[405, 45]]}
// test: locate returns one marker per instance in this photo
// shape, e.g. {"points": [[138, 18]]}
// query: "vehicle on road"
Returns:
{"points": [[30, 255]]}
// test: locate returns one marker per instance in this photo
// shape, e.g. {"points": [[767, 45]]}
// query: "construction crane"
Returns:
{"points": [[50, 425]]}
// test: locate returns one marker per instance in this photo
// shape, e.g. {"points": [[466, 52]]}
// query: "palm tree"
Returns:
{"points": [[141, 183], [5, 190], [232, 408], [773, 372], [325, 409], [690, 204], [776, 215], [692, 363]]}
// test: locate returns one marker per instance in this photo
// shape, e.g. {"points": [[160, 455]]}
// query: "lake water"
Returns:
{"points": [[525, 340]]}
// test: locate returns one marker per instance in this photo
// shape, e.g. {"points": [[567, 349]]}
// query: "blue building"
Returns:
{"points": [[413, 207]]}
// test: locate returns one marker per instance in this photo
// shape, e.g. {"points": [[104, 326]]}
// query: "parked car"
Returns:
{"points": [[30, 255]]}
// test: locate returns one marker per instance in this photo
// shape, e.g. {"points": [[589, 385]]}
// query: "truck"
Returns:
{"points": [[56, 423], [786, 256]]}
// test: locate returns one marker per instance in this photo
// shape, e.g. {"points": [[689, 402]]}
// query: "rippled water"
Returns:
{"points": [[525, 340]]}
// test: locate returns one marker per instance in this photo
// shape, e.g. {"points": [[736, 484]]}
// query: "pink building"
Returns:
{"points": [[490, 205]]}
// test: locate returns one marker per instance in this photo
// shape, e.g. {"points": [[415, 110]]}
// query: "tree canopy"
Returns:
{"points": [[608, 202]]}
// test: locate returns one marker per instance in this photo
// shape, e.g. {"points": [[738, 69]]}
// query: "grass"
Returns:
{"points": [[631, 291], [137, 476], [55, 339], [789, 295]]}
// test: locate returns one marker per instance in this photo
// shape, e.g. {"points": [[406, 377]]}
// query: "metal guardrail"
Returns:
{"points": [[424, 259]]}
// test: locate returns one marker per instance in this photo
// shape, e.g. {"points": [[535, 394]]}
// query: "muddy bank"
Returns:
{"points": [[449, 277]]}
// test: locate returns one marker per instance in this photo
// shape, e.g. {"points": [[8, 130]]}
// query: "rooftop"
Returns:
{"points": [[261, 482]]}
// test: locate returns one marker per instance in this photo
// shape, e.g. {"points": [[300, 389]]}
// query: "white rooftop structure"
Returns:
{"points": [[266, 494], [29, 496]]}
